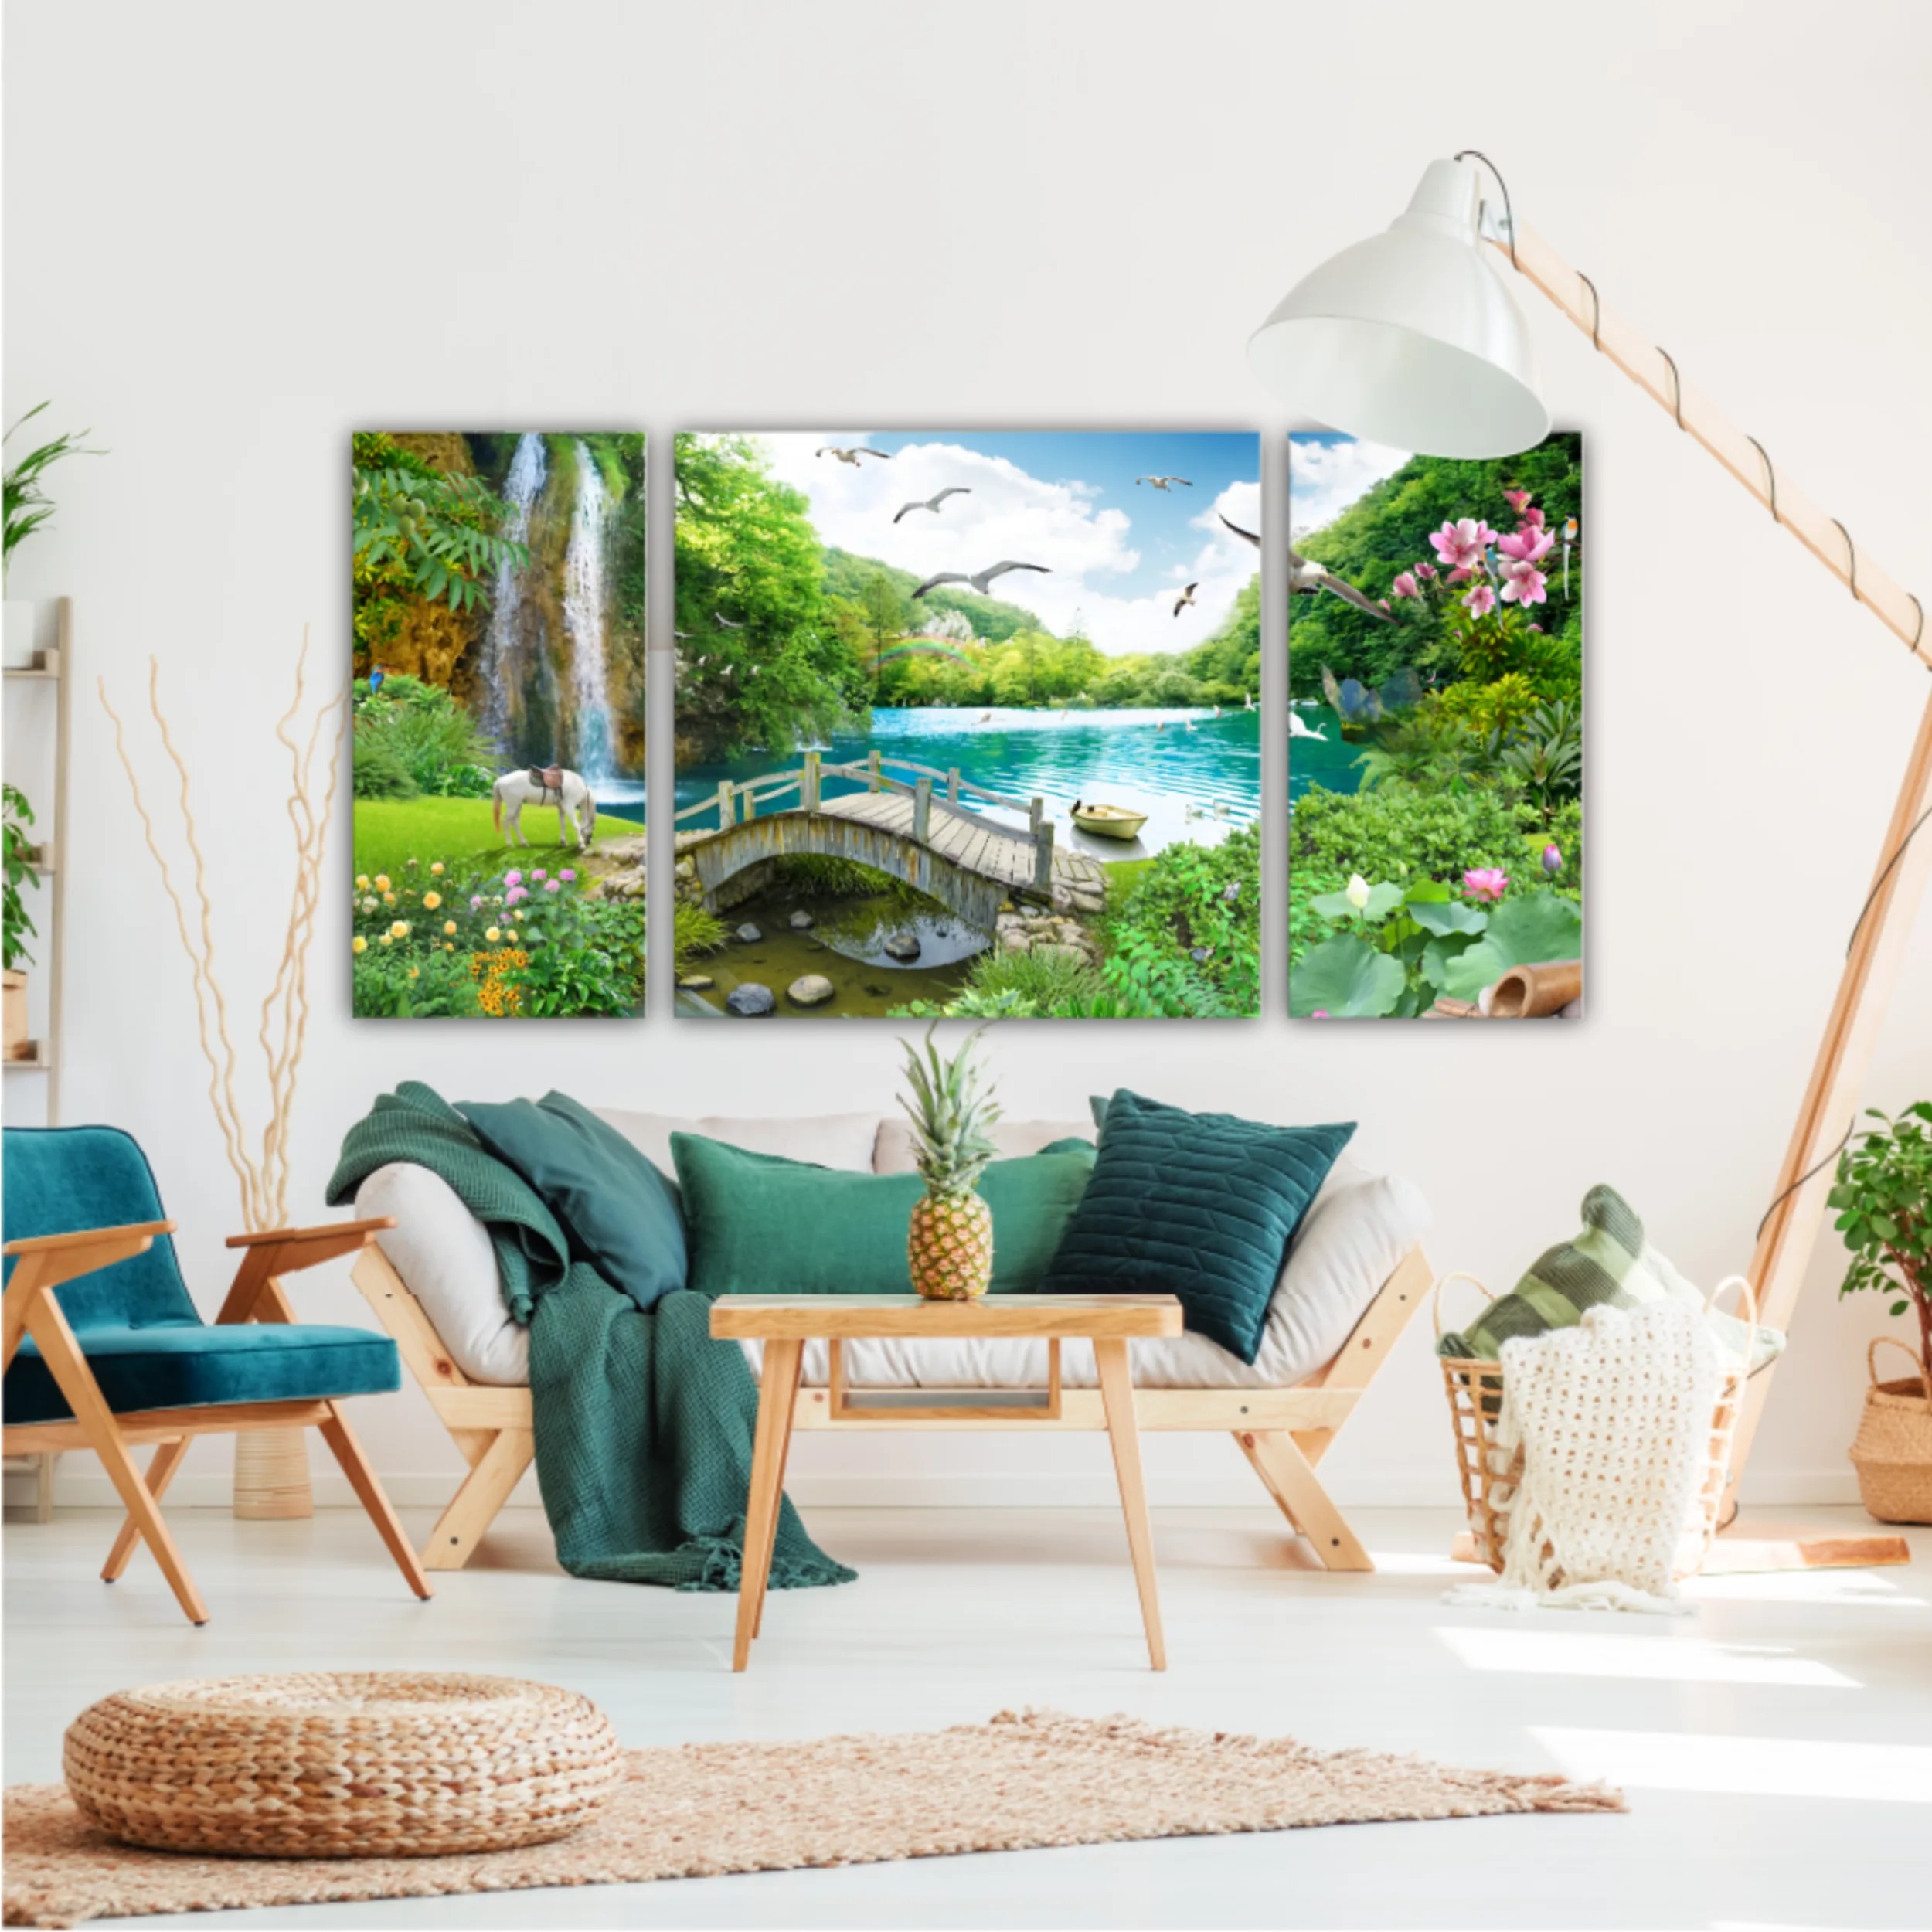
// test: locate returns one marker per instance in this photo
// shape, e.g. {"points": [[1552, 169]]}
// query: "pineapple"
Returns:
{"points": [[949, 1246]]}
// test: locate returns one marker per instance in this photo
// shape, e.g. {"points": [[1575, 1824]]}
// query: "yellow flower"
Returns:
{"points": [[389, 899], [361, 882], [438, 869], [400, 929], [385, 939], [493, 935], [448, 946], [511, 935], [415, 972], [431, 901], [382, 882], [360, 944], [449, 925]]}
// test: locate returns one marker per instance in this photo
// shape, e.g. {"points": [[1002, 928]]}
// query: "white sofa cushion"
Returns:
{"points": [[830, 1140], [1014, 1140]]}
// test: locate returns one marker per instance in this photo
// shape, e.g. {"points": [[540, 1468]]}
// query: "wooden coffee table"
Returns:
{"points": [[785, 1323]]}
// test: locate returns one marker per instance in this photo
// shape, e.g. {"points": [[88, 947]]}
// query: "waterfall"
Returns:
{"points": [[520, 489], [584, 613]]}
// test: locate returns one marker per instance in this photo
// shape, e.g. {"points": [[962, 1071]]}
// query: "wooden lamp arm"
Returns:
{"points": [[256, 1295], [43, 1261]]}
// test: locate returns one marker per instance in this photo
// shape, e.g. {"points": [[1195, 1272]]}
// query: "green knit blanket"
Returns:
{"points": [[644, 1423]]}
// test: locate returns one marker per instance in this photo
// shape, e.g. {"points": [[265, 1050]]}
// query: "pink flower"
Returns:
{"points": [[1524, 583], [1425, 571], [476, 902], [1458, 577], [1528, 545], [1552, 859], [567, 876], [1405, 585], [1518, 500], [553, 886], [1533, 518], [514, 894], [1320, 1013], [513, 878], [1485, 882], [538, 873], [1481, 601], [1462, 544]]}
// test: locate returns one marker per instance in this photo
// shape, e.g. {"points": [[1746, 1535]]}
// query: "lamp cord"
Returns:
{"points": [[1508, 213]]}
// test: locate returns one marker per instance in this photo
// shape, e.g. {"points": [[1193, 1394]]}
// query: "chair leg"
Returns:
{"points": [[162, 1469], [369, 1492], [1298, 1494], [474, 1507]]}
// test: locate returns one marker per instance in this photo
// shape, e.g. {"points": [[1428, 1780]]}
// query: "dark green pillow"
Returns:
{"points": [[1198, 1205], [619, 1213], [758, 1224]]}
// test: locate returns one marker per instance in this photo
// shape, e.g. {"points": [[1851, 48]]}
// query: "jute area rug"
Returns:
{"points": [[695, 1810]]}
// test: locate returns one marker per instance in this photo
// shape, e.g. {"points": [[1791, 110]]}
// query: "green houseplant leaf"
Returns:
{"points": [[1346, 978]]}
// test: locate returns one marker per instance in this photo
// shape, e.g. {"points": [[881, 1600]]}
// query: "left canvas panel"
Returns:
{"points": [[499, 724]]}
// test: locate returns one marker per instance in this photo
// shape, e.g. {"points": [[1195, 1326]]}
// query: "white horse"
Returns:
{"points": [[565, 789]]}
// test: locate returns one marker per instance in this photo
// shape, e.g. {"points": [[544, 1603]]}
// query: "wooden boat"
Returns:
{"points": [[1109, 822]]}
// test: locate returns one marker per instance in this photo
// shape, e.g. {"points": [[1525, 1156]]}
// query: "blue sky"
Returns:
{"points": [[1328, 472], [1117, 552]]}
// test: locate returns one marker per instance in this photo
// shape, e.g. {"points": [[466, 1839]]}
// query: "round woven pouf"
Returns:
{"points": [[352, 1765]]}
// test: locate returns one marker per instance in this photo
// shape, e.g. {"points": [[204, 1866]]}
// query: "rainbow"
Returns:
{"points": [[925, 646]]}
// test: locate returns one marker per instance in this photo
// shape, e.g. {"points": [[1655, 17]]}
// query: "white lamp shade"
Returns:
{"points": [[1411, 338]]}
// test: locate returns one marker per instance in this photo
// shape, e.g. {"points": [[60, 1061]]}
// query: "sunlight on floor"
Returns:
{"points": [[1869, 1588], [1753, 1767], [1665, 1658]]}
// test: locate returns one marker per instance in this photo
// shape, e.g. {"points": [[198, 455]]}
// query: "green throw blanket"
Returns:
{"points": [[644, 1423]]}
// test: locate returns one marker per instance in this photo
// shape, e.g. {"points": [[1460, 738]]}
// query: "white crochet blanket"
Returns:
{"points": [[1613, 1420]]}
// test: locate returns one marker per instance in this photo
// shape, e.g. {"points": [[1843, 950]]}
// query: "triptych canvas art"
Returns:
{"points": [[967, 723]]}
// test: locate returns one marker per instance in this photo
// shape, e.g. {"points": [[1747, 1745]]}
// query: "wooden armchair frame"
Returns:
{"points": [[1284, 1433], [31, 1308]]}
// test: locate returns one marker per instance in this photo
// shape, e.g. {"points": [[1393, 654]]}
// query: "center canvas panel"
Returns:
{"points": [[968, 724]]}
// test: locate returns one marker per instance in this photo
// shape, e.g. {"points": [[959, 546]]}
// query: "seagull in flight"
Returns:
{"points": [[1305, 574], [1163, 482], [852, 456], [1186, 598], [723, 622], [979, 579], [933, 502]]}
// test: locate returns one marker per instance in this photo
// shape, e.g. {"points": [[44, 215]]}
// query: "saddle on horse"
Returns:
{"points": [[548, 779]]}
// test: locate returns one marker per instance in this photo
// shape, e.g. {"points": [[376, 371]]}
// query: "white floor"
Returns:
{"points": [[1776, 1748]]}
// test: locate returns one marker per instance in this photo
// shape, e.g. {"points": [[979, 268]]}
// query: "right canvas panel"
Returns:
{"points": [[1435, 731]]}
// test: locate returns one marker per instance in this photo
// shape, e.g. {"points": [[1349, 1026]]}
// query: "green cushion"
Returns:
{"points": [[184, 1365], [59, 1180], [1609, 1262], [1198, 1205], [761, 1224], [618, 1212]]}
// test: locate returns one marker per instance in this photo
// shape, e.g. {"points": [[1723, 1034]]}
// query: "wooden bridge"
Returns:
{"points": [[904, 829]]}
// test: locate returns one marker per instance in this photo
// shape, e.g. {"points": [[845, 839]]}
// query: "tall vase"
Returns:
{"points": [[271, 1475]]}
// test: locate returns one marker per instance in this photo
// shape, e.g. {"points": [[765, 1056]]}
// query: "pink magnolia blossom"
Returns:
{"points": [[1462, 544], [1518, 500], [1485, 882], [1459, 576], [1425, 571], [1405, 585], [1527, 546], [1481, 601], [1524, 583], [1533, 517]]}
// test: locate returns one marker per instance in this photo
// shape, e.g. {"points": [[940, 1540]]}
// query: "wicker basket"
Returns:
{"points": [[367, 1765], [1893, 1450], [1490, 1475]]}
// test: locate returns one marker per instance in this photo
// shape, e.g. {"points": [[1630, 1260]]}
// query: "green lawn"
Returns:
{"points": [[391, 831]]}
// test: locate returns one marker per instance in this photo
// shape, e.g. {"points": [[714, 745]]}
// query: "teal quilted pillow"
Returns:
{"points": [[1198, 1205]]}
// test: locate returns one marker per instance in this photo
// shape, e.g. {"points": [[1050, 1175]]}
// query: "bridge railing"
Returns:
{"points": [[807, 780]]}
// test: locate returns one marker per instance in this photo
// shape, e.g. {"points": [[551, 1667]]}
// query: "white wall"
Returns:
{"points": [[234, 232]]}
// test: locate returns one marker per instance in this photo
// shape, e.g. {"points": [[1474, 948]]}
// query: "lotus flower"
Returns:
{"points": [[1528, 545], [1461, 544], [1481, 601], [1320, 1013], [1357, 894], [1552, 859], [1524, 583], [1485, 882]]}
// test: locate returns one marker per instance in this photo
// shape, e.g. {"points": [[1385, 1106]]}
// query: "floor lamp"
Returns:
{"points": [[1413, 339]]}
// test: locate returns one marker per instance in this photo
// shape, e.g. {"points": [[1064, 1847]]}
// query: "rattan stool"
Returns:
{"points": [[353, 1764]]}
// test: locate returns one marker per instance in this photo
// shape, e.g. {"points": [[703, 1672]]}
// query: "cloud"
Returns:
{"points": [[1326, 475], [1011, 515]]}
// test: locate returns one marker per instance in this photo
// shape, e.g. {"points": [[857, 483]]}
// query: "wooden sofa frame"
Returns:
{"points": [[1284, 1433]]}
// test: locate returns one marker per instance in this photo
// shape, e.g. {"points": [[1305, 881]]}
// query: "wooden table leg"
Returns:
{"points": [[776, 1386], [1123, 1430], [794, 1374]]}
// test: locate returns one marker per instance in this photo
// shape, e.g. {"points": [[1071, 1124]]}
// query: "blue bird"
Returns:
{"points": [[377, 674]]}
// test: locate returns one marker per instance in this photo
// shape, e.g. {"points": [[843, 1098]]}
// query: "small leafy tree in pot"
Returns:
{"points": [[1884, 1199]]}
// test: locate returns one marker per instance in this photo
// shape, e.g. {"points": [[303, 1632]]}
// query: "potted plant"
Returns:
{"points": [[17, 856], [1883, 1195]]}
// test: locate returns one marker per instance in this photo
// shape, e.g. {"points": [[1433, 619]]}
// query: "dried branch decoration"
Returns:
{"points": [[263, 1174]]}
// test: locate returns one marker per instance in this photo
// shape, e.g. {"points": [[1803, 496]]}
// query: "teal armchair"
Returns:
{"points": [[103, 1349]]}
